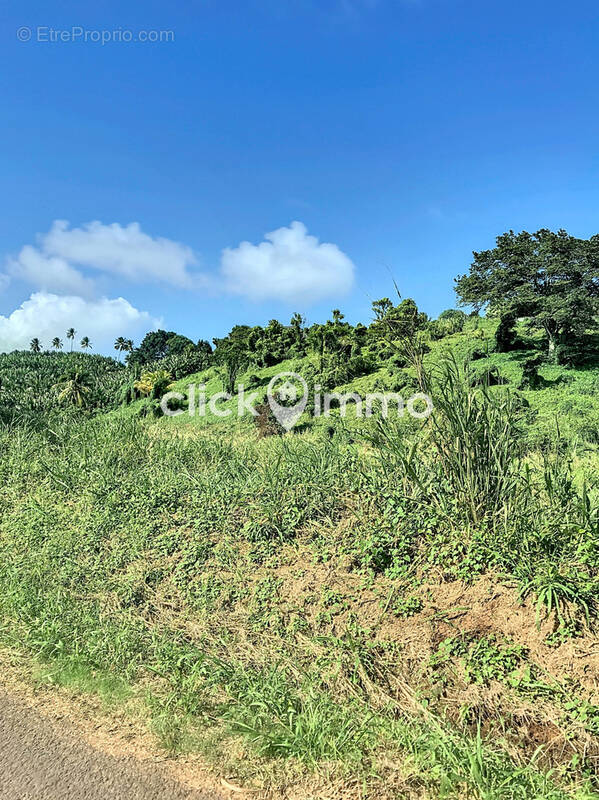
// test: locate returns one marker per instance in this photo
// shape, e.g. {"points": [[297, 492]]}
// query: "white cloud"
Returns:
{"points": [[49, 273], [47, 315], [290, 265], [122, 250], [55, 263]]}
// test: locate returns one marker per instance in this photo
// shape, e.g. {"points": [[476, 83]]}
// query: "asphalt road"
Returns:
{"points": [[43, 760]]}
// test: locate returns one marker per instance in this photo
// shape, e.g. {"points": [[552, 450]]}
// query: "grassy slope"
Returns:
{"points": [[278, 605], [567, 405]]}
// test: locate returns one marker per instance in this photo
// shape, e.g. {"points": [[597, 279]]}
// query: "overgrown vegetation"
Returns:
{"points": [[34, 385], [404, 606]]}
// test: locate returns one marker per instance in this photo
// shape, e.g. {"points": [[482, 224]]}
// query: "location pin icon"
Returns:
{"points": [[287, 415]]}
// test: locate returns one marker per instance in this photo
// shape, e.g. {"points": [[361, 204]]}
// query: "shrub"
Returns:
{"points": [[154, 384], [530, 373], [266, 422], [505, 335], [149, 408]]}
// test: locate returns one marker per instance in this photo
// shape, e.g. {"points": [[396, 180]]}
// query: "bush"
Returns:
{"points": [[154, 384], [450, 321], [149, 408], [530, 373], [505, 335], [266, 422]]}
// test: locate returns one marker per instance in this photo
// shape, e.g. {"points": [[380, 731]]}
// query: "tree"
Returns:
{"points": [[550, 278], [176, 344], [35, 345], [85, 343], [297, 322], [397, 323], [454, 318], [203, 347], [334, 343], [120, 345], [71, 335], [73, 388], [398, 332], [317, 342], [57, 343], [157, 345], [450, 321], [231, 354], [380, 308]]}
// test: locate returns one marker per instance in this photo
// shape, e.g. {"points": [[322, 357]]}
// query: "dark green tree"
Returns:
{"points": [[157, 345], [452, 319], [177, 344], [204, 347], [397, 323], [232, 355], [297, 326], [550, 278]]}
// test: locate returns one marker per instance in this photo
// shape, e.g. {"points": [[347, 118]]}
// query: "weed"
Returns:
{"points": [[556, 592]]}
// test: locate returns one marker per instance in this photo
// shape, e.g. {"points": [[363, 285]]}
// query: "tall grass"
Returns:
{"points": [[525, 511], [132, 552], [468, 454]]}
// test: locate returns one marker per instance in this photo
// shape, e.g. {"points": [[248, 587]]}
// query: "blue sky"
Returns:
{"points": [[404, 133]]}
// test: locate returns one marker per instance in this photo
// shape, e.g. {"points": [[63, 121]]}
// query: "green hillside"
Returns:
{"points": [[405, 606], [564, 403]]}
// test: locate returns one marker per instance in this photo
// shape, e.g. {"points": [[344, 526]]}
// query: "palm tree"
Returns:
{"points": [[126, 346], [120, 345], [35, 345], [73, 388], [85, 343], [71, 335], [57, 343], [296, 324]]}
